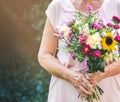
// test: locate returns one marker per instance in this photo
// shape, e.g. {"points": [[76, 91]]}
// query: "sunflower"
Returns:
{"points": [[108, 42]]}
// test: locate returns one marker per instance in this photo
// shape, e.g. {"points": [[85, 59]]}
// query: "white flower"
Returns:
{"points": [[104, 34], [115, 53], [118, 31], [94, 41], [113, 31], [65, 29], [77, 22]]}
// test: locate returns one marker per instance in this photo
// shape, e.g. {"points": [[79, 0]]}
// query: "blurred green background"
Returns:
{"points": [[21, 26]]}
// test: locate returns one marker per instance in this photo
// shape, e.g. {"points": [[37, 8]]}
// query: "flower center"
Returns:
{"points": [[86, 49], [109, 40]]}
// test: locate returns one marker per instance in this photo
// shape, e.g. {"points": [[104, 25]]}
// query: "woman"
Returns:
{"points": [[67, 81]]}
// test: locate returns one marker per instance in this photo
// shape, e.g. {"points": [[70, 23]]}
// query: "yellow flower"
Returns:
{"points": [[108, 42]]}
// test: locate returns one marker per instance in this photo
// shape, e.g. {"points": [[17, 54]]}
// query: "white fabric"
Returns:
{"points": [[59, 12]]}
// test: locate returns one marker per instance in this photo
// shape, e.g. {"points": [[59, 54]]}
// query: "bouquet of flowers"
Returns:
{"points": [[92, 43]]}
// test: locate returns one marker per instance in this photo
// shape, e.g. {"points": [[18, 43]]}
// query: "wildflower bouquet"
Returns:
{"points": [[92, 43]]}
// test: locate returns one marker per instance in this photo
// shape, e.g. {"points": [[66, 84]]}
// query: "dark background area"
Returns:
{"points": [[21, 26]]}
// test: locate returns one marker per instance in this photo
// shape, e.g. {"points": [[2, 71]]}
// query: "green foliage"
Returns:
{"points": [[95, 64], [26, 83], [21, 77]]}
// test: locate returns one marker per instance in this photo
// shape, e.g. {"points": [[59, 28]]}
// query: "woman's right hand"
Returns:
{"points": [[80, 82]]}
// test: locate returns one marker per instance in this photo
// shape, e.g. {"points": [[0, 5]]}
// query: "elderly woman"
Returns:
{"points": [[67, 81]]}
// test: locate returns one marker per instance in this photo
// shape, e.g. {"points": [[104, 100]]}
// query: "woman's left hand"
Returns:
{"points": [[94, 78]]}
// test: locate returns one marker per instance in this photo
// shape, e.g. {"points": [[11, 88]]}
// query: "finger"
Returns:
{"points": [[87, 88], [81, 93], [87, 84], [84, 91]]}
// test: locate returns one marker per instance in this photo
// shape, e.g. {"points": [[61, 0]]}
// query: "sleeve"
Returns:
{"points": [[53, 13]]}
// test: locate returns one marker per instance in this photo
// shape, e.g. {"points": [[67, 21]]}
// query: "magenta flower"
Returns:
{"points": [[116, 26], [117, 38], [109, 24], [82, 39], [84, 65], [97, 53], [86, 49], [96, 26], [116, 18]]}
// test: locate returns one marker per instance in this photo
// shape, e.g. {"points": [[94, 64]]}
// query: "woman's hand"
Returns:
{"points": [[94, 78], [80, 82]]}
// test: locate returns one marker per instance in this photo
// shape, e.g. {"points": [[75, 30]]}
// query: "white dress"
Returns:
{"points": [[59, 12]]}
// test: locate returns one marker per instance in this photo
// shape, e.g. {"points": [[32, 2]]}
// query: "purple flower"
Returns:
{"points": [[100, 22], [96, 26], [117, 38], [109, 24], [90, 8], [70, 31], [84, 65], [97, 53], [69, 23], [116, 26], [59, 35], [71, 35], [72, 55]]}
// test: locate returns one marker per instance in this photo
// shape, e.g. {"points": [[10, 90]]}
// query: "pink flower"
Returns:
{"points": [[82, 39], [97, 53], [117, 38], [86, 49], [116, 26]]}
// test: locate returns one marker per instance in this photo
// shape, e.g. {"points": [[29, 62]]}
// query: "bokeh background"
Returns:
{"points": [[21, 26]]}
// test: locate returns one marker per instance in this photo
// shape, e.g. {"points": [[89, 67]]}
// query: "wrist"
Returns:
{"points": [[70, 75]]}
